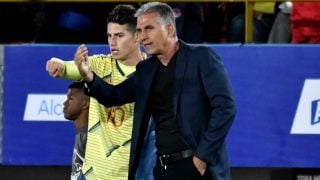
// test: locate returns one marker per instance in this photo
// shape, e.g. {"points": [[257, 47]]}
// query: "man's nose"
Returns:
{"points": [[113, 41], [142, 36]]}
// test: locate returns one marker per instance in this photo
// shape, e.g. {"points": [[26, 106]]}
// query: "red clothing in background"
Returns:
{"points": [[305, 22]]}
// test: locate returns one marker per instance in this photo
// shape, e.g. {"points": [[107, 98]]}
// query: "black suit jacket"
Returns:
{"points": [[203, 104]]}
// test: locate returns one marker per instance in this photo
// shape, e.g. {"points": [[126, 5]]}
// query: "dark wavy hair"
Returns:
{"points": [[124, 14]]}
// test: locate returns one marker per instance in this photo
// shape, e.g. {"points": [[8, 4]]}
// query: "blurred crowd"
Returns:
{"points": [[205, 22]]}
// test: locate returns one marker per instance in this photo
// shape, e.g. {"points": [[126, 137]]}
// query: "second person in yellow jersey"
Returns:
{"points": [[109, 129]]}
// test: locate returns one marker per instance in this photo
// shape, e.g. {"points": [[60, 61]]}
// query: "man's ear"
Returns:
{"points": [[171, 30], [86, 103]]}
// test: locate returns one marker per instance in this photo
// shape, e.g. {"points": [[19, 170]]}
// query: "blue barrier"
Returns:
{"points": [[277, 90]]}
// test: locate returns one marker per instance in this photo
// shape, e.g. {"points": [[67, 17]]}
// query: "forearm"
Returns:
{"points": [[71, 71], [107, 94], [95, 88], [217, 88], [214, 137]]}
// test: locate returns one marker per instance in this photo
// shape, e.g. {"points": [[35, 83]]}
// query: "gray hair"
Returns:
{"points": [[165, 12]]}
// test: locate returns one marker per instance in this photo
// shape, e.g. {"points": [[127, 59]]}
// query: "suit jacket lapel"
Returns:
{"points": [[148, 73], [181, 63], [145, 81]]}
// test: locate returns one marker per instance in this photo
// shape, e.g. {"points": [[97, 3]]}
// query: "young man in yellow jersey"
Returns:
{"points": [[109, 129]]}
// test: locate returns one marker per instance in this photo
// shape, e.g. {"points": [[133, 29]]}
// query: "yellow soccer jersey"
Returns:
{"points": [[109, 130]]}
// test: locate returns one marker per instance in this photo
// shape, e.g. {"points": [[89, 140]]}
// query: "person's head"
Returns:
{"points": [[156, 26], [121, 31], [77, 103]]}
